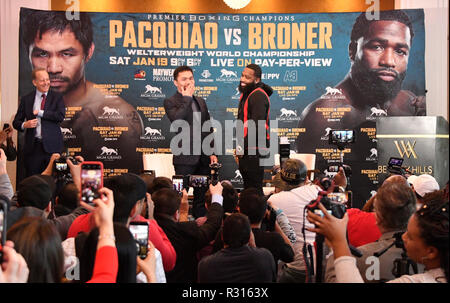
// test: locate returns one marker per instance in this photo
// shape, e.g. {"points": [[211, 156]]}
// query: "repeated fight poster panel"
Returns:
{"points": [[115, 70]]}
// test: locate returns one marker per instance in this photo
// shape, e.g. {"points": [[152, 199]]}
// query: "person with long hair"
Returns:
{"points": [[425, 240]]}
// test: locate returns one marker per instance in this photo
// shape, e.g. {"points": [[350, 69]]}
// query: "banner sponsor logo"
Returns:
{"points": [[237, 176], [152, 92], [406, 149], [332, 93], [163, 74], [290, 76], [227, 76], [139, 74], [67, 133], [110, 113], [288, 115], [325, 137], [152, 134], [109, 154], [206, 76], [373, 155]]}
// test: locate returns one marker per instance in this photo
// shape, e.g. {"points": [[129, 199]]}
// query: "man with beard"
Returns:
{"points": [[253, 112], [63, 48], [379, 53]]}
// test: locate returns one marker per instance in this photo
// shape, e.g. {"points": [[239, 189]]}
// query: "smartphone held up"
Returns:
{"points": [[139, 230], [91, 180]]}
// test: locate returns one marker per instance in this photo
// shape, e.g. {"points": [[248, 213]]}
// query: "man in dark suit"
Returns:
{"points": [[39, 115], [192, 159]]}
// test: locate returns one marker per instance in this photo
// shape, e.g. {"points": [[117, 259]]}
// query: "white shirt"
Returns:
{"points": [[347, 272], [292, 203], [37, 106]]}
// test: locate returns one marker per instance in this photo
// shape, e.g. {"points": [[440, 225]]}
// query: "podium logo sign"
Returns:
{"points": [[406, 149]]}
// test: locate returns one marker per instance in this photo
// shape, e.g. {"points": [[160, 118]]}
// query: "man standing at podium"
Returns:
{"points": [[183, 105], [379, 53]]}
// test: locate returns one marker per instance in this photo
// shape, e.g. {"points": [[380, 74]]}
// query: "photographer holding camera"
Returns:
{"points": [[425, 240], [394, 204], [297, 192]]}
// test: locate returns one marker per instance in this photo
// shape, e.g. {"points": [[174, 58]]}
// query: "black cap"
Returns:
{"points": [[34, 191]]}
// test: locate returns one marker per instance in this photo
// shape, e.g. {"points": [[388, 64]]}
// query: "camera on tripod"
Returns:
{"points": [[401, 265]]}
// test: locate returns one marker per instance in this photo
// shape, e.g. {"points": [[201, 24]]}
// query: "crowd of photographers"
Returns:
{"points": [[301, 232]]}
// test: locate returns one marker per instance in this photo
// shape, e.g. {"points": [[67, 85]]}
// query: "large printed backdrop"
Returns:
{"points": [[300, 55]]}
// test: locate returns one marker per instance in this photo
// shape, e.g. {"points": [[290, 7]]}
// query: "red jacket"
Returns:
{"points": [[156, 235], [362, 227], [106, 265]]}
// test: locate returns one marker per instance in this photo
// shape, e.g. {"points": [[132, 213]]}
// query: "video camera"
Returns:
{"points": [[395, 166], [341, 137], [335, 204], [401, 265]]}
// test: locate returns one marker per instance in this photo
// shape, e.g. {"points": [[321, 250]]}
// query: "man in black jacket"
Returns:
{"points": [[254, 206], [191, 159], [186, 237], [253, 112], [39, 115]]}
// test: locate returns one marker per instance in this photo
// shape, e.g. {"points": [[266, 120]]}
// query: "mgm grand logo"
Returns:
{"points": [[110, 113], [109, 154], [67, 133], [152, 92], [332, 93], [288, 115], [152, 134], [227, 76]]}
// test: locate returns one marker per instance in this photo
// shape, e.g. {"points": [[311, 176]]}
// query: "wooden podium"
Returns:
{"points": [[422, 142]]}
